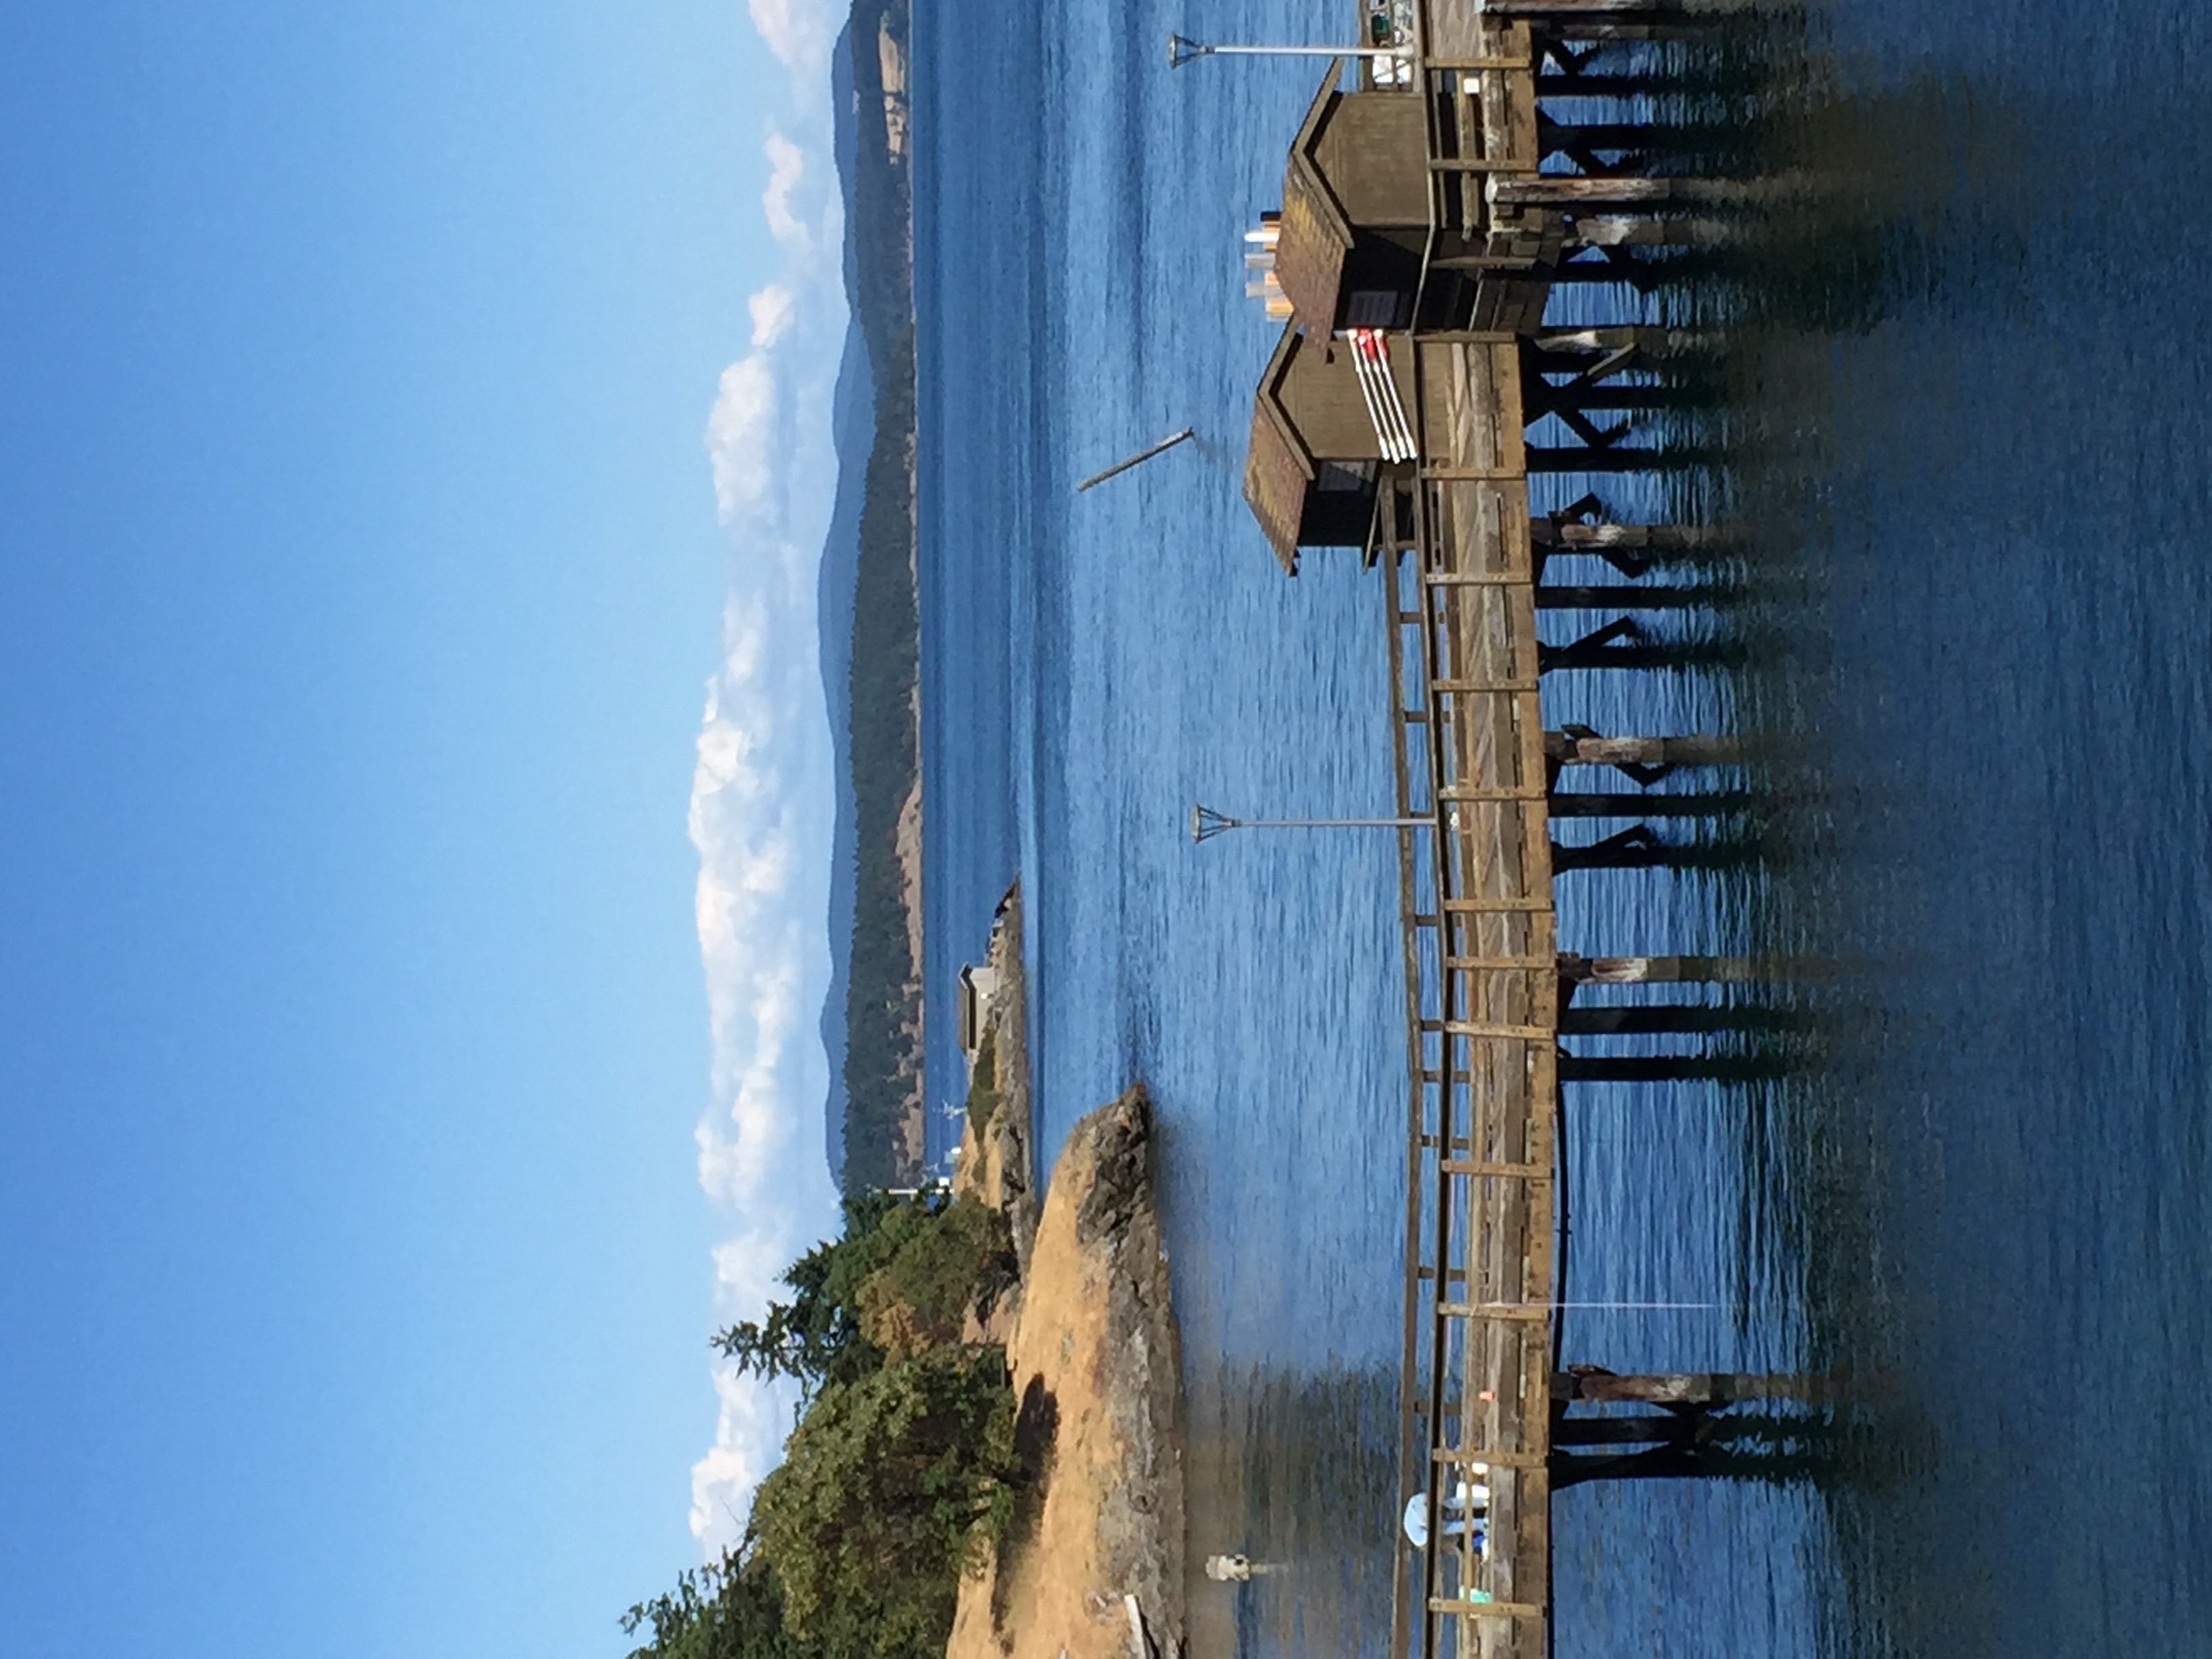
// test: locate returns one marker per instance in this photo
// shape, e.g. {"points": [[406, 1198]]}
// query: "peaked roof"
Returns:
{"points": [[1316, 232], [1277, 468]]}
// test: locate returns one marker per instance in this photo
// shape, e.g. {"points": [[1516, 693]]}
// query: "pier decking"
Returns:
{"points": [[1482, 1015], [1480, 937]]}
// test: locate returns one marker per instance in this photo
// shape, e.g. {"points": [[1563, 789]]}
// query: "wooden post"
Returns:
{"points": [[1557, 536], [1605, 653], [1643, 1429], [1623, 134], [1619, 596], [1595, 1383], [1714, 803], [1579, 458], [1642, 336], [1677, 1460], [1556, 11], [1658, 970], [1666, 1068], [1645, 230], [1621, 1019], [1581, 190], [1594, 85], [1540, 398]]}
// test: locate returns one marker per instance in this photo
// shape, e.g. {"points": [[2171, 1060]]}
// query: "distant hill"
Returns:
{"points": [[853, 426], [870, 629]]}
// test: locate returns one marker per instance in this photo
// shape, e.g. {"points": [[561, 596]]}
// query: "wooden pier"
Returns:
{"points": [[1427, 218]]}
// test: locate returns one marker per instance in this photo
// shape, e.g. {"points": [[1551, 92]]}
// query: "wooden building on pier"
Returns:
{"points": [[1380, 246]]}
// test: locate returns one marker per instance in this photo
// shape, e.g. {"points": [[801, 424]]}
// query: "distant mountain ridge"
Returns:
{"points": [[870, 622]]}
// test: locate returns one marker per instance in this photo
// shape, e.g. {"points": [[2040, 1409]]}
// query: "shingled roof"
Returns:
{"points": [[1317, 235], [1277, 471]]}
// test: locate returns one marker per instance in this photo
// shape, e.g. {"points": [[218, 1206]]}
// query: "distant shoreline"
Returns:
{"points": [[884, 1107]]}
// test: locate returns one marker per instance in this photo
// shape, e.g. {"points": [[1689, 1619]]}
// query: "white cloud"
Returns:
{"points": [[754, 1418], [788, 172], [772, 310], [799, 33], [741, 436], [762, 794]]}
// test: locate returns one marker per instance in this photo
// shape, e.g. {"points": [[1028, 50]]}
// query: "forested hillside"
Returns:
{"points": [[883, 1001]]}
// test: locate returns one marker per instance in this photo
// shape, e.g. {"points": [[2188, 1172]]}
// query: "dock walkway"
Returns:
{"points": [[1479, 938]]}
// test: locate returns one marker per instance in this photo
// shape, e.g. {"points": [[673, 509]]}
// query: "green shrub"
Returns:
{"points": [[888, 1489], [730, 1611], [983, 1088]]}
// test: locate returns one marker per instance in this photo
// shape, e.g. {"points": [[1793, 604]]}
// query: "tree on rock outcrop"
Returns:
{"points": [[888, 1488], [913, 1267], [730, 1611]]}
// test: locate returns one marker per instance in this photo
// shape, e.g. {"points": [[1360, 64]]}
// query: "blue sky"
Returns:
{"points": [[410, 409]]}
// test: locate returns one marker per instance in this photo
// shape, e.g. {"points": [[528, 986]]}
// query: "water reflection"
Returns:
{"points": [[1297, 1474], [1978, 1205]]}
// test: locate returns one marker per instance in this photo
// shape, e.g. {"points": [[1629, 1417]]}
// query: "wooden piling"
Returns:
{"points": [[1657, 970], [1667, 1068], [1619, 804], [1589, 1382], [1668, 1018], [1703, 748]]}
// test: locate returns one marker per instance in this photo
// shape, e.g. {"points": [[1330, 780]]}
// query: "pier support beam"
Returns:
{"points": [[1563, 534], [1635, 849], [1668, 1018], [1559, 13], [1540, 398], [1647, 230], [1667, 1068], [1618, 596], [1599, 649], [1591, 83], [1596, 1384], [1640, 847], [1553, 135], [1661, 971], [1644, 337], [1705, 804], [1581, 190], [1579, 746], [1583, 457], [1643, 1429], [1630, 548], [1684, 1435], [1676, 1459]]}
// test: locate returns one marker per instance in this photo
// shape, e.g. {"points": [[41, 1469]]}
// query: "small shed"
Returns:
{"points": [[1355, 209], [1316, 460]]}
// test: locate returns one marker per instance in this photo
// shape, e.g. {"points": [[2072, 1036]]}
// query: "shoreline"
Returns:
{"points": [[1095, 1361]]}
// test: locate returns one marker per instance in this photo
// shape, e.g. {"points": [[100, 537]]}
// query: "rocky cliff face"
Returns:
{"points": [[1097, 1370], [992, 1166]]}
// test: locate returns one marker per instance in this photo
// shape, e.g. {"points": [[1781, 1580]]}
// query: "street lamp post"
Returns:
{"points": [[1183, 50], [1205, 823]]}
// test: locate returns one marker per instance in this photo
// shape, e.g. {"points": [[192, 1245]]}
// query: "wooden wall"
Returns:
{"points": [[1373, 150]]}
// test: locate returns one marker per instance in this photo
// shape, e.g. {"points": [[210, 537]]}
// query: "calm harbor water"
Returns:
{"points": [[1969, 442]]}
